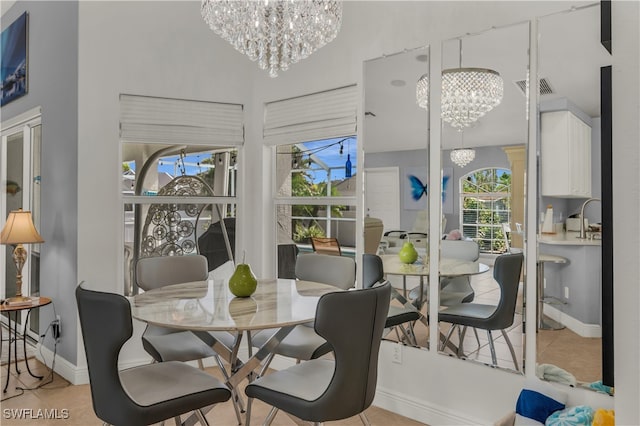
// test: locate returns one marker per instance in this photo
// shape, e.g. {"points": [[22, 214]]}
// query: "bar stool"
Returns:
{"points": [[543, 258]]}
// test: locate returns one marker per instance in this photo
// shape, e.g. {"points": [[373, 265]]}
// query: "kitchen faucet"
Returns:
{"points": [[583, 232]]}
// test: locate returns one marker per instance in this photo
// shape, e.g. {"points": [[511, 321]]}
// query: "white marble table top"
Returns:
{"points": [[209, 305], [448, 267]]}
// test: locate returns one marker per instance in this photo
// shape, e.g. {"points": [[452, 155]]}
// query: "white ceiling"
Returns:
{"points": [[570, 57]]}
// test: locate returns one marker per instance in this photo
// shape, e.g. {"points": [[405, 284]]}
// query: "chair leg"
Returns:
{"points": [[203, 421], [364, 419], [270, 416], [178, 420], [461, 332], [446, 339], [475, 331], [200, 364], [513, 353], [236, 400], [494, 359]]}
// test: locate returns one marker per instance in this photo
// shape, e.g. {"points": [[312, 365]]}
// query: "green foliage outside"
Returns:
{"points": [[302, 185], [486, 205]]}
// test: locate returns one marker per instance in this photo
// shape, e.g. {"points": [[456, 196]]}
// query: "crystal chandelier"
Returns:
{"points": [[463, 156], [276, 33], [468, 94]]}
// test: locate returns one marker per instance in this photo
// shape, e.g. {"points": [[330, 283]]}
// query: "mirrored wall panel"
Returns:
{"points": [[396, 162], [484, 144], [570, 175]]}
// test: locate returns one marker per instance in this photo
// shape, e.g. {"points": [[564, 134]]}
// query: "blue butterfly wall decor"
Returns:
{"points": [[418, 189]]}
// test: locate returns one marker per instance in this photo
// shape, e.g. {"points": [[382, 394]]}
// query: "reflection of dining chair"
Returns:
{"points": [[506, 271], [303, 343], [329, 246], [140, 395], [333, 389], [398, 316], [456, 289]]}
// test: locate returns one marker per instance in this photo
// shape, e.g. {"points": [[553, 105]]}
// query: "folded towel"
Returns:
{"points": [[581, 415], [604, 417], [600, 387], [553, 373]]}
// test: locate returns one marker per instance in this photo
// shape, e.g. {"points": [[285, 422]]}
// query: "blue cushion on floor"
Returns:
{"points": [[536, 405]]}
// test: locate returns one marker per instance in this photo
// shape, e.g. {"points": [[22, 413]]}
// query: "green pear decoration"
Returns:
{"points": [[408, 253], [243, 283]]}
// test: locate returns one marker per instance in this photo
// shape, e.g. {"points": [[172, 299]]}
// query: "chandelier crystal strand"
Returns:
{"points": [[422, 91], [276, 33], [468, 94], [463, 156]]}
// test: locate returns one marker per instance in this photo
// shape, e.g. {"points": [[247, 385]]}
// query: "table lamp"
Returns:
{"points": [[19, 230]]}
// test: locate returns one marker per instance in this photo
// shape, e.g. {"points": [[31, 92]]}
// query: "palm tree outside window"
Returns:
{"points": [[485, 197]]}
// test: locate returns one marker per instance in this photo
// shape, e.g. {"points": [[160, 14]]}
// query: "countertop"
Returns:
{"points": [[569, 239]]}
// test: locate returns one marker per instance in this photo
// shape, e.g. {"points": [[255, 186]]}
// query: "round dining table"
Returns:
{"points": [[210, 306], [448, 268]]}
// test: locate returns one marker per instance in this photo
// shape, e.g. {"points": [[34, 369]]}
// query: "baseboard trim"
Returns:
{"points": [[580, 328], [419, 410]]}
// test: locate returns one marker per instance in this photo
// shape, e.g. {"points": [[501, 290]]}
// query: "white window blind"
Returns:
{"points": [[323, 115], [164, 120]]}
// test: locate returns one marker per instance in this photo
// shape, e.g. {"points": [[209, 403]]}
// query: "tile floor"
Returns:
{"points": [[76, 400], [552, 345]]}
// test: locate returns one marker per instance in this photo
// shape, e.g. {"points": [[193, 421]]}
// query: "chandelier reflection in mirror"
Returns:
{"points": [[276, 33], [463, 156], [468, 94]]}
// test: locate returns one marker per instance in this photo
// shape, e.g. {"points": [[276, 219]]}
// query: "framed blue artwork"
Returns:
{"points": [[13, 45], [416, 189]]}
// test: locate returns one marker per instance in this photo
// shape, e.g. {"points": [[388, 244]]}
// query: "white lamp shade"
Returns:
{"points": [[19, 229]]}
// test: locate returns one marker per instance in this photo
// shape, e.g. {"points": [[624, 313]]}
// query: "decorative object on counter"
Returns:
{"points": [[18, 230], [408, 253], [275, 33], [547, 222], [243, 282]]}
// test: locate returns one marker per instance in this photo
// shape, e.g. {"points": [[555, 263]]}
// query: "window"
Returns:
{"points": [[315, 194], [315, 168], [485, 197], [179, 179]]}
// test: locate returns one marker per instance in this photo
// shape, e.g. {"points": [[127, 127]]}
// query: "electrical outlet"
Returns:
{"points": [[397, 353], [566, 292]]}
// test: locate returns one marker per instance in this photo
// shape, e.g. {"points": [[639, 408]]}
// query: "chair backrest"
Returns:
{"points": [[459, 249], [373, 228], [355, 336], [287, 255], [506, 271], [156, 272], [372, 270], [329, 246], [339, 271], [105, 320]]}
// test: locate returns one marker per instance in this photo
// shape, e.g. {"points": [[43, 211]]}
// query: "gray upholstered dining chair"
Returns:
{"points": [[140, 395], [399, 318], [303, 343], [165, 344], [506, 271], [333, 389]]}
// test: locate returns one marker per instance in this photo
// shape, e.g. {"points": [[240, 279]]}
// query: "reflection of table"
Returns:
{"points": [[448, 268], [36, 303], [208, 305]]}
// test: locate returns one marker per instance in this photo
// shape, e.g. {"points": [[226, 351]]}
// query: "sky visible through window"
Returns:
{"points": [[328, 151]]}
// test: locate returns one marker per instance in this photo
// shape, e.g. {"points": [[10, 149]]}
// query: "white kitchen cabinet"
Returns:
{"points": [[565, 155]]}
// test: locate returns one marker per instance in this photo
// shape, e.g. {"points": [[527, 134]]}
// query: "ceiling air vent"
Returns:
{"points": [[545, 87]]}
